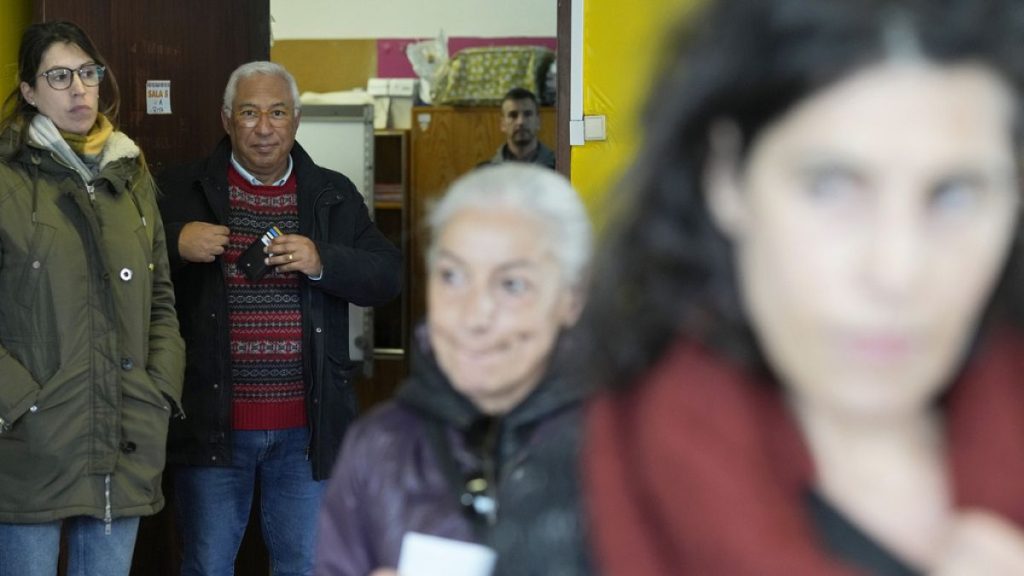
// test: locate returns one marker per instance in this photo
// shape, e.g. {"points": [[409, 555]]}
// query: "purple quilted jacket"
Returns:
{"points": [[389, 480]]}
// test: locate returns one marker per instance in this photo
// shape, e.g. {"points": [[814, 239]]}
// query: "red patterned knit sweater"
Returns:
{"points": [[265, 316]]}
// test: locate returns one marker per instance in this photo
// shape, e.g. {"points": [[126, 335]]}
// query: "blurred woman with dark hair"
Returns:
{"points": [[808, 302], [90, 355]]}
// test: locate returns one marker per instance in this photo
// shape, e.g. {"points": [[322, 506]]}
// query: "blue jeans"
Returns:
{"points": [[32, 549], [213, 504]]}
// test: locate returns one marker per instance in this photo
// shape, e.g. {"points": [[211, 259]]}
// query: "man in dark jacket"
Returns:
{"points": [[520, 123], [267, 250]]}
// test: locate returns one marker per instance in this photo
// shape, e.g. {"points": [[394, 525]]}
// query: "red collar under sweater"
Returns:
{"points": [[699, 470]]}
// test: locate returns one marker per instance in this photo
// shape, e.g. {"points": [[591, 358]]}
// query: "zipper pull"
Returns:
{"points": [[107, 519], [92, 192]]}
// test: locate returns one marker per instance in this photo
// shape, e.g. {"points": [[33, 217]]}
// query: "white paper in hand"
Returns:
{"points": [[426, 555]]}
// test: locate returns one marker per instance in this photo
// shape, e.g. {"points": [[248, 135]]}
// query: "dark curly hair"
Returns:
{"points": [[663, 269]]}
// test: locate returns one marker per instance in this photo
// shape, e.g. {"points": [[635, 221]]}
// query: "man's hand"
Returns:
{"points": [[294, 253], [202, 241]]}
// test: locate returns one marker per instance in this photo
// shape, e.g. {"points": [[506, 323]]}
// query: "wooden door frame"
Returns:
{"points": [[563, 154]]}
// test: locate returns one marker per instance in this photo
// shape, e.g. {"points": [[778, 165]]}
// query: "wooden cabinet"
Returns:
{"points": [[446, 143]]}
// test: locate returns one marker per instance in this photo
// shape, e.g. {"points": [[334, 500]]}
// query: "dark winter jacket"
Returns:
{"points": [[361, 267], [90, 357], [391, 479], [543, 155]]}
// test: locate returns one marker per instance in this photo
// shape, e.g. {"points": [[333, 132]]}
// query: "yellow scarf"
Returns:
{"points": [[92, 143]]}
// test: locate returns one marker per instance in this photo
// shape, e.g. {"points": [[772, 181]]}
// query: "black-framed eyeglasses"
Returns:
{"points": [[61, 78]]}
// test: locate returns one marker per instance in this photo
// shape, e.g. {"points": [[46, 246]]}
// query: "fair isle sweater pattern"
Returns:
{"points": [[265, 316]]}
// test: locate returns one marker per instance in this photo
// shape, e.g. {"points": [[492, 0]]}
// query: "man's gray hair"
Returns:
{"points": [[252, 69], [536, 192]]}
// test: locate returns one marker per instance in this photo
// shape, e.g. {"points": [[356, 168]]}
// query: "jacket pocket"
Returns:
{"points": [[145, 275], [340, 400], [30, 330], [144, 388], [145, 242], [145, 416], [34, 266]]}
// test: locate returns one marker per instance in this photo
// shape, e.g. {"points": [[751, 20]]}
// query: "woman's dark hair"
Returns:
{"points": [[663, 268], [35, 41]]}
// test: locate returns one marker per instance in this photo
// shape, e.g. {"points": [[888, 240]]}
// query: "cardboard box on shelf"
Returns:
{"points": [[393, 102]]}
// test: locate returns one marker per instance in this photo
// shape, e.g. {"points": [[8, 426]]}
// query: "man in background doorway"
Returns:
{"points": [[267, 250], [520, 122]]}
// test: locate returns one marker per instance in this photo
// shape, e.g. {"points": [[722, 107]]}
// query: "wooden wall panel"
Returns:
{"points": [[448, 142], [193, 43]]}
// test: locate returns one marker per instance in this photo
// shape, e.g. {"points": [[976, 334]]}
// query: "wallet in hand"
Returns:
{"points": [[251, 262]]}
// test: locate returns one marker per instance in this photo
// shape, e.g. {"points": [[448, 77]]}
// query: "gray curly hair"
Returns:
{"points": [[253, 69], [537, 192]]}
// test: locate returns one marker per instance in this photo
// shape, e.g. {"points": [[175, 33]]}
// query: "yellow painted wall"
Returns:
{"points": [[15, 15], [621, 44]]}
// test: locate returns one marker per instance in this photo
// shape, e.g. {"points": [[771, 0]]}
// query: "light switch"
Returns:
{"points": [[593, 128]]}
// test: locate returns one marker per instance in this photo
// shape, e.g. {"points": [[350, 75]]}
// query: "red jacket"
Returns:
{"points": [[700, 469]]}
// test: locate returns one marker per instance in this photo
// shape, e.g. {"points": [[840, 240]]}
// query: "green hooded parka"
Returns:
{"points": [[91, 361]]}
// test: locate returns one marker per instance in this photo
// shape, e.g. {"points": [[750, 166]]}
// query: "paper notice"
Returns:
{"points": [[158, 96]]}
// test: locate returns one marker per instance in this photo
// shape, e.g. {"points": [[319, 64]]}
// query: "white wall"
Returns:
{"points": [[332, 19]]}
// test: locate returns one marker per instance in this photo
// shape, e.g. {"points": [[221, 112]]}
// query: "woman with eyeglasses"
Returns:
{"points": [[91, 362], [479, 444], [809, 305]]}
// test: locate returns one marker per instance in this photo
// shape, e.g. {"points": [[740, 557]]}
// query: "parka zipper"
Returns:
{"points": [[489, 505], [107, 519], [107, 516], [88, 185], [135, 201], [91, 190]]}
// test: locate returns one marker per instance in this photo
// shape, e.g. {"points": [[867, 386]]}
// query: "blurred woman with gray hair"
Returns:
{"points": [[468, 449]]}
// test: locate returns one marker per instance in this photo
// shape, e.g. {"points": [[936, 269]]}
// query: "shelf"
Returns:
{"points": [[390, 191], [387, 193]]}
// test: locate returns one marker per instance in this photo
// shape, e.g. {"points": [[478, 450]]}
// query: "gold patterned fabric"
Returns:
{"points": [[482, 76]]}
